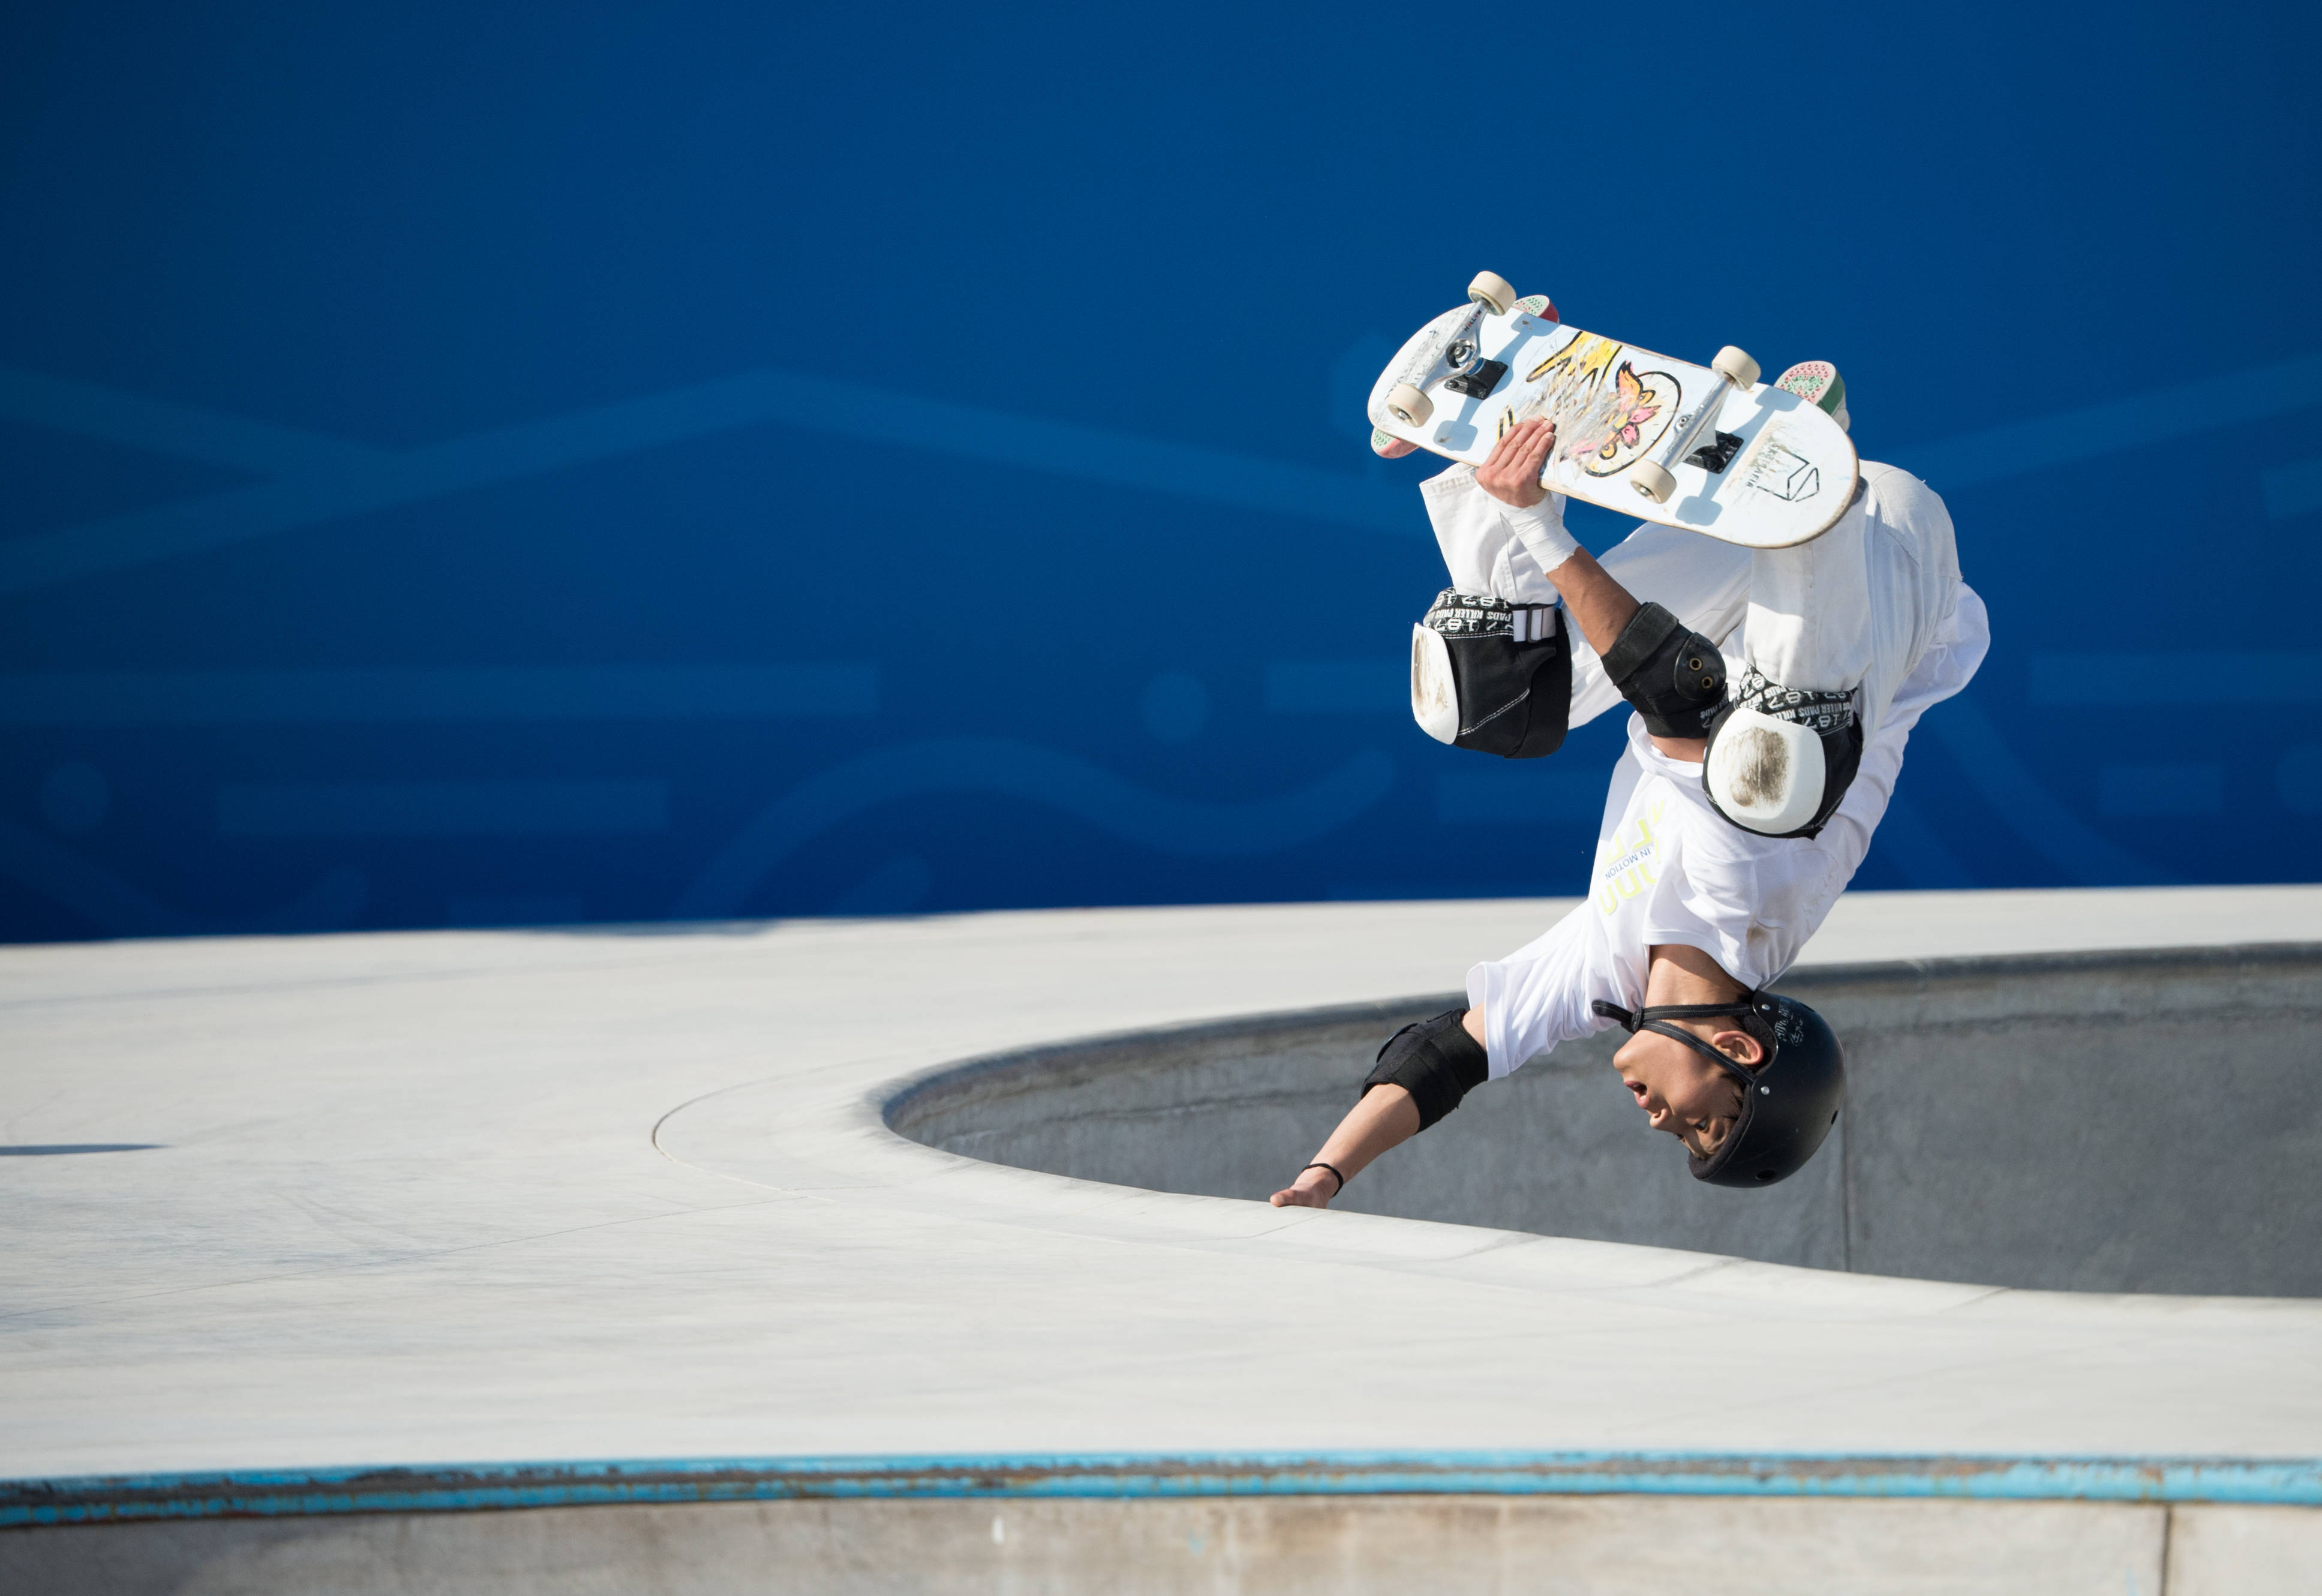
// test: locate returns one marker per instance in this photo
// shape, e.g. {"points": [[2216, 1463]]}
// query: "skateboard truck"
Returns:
{"points": [[1651, 476], [1407, 401], [1478, 380], [1715, 456]]}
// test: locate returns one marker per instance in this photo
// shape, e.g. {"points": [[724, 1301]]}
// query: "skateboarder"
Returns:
{"points": [[1773, 692]]}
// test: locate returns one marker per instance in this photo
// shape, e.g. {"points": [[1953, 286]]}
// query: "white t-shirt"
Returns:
{"points": [[1669, 870]]}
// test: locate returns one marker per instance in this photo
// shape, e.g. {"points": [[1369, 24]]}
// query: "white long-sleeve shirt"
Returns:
{"points": [[1668, 868]]}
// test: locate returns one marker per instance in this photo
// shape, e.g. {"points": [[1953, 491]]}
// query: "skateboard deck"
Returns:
{"points": [[1768, 470]]}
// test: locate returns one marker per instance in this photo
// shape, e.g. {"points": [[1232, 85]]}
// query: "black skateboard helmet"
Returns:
{"points": [[1788, 1102]]}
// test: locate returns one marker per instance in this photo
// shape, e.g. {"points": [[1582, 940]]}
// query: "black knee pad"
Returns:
{"points": [[1491, 675], [1435, 1060], [1672, 676], [1780, 759]]}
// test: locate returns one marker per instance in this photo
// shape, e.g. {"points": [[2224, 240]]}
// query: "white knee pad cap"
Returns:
{"points": [[1765, 775], [1434, 691]]}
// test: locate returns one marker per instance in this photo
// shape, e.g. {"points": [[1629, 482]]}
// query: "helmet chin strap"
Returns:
{"points": [[1656, 1020]]}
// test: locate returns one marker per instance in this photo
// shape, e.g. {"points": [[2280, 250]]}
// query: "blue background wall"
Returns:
{"points": [[412, 516]]}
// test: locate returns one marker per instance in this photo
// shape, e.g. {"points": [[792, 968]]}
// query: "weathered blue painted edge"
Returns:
{"points": [[467, 1487]]}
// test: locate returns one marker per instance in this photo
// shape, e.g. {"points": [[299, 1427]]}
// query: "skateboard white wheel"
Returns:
{"points": [[1735, 367], [1651, 480], [1408, 405], [1493, 292]]}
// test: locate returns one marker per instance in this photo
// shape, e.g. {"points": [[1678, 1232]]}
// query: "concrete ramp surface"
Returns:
{"points": [[1605, 1545], [2137, 1121], [833, 1256]]}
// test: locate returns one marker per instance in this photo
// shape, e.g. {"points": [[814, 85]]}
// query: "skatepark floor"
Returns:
{"points": [[290, 1205]]}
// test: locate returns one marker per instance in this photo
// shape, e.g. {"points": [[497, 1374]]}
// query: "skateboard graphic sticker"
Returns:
{"points": [[1606, 411], [1775, 468]]}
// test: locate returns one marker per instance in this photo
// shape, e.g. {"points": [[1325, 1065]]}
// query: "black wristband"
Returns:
{"points": [[1318, 1165]]}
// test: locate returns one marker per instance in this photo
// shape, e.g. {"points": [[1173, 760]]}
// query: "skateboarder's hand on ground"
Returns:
{"points": [[1385, 1115], [1314, 1189], [1511, 475]]}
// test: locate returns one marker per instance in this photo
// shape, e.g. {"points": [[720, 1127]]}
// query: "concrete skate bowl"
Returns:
{"points": [[2095, 1121], [2146, 1121]]}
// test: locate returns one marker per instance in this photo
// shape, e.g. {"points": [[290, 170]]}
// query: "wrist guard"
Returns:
{"points": [[1433, 1059], [1671, 676]]}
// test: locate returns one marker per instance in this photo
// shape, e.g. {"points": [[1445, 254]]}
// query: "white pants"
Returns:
{"points": [[1853, 610]]}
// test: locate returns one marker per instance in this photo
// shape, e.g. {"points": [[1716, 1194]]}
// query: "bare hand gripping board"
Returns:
{"points": [[1706, 447]]}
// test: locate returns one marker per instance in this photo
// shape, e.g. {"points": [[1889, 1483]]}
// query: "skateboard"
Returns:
{"points": [[1706, 447]]}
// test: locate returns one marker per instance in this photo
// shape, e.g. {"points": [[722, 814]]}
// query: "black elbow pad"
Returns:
{"points": [[1671, 675], [1433, 1059]]}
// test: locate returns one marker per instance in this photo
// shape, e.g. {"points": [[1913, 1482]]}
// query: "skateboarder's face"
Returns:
{"points": [[1682, 1093]]}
